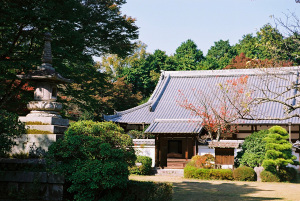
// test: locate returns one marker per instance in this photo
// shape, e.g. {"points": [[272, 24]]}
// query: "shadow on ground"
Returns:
{"points": [[209, 191]]}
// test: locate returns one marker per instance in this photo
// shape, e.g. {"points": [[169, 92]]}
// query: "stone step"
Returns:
{"points": [[51, 128], [169, 172]]}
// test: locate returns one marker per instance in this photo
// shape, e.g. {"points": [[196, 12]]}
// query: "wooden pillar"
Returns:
{"points": [[194, 147], [163, 151], [157, 145], [299, 136], [187, 149], [290, 132]]}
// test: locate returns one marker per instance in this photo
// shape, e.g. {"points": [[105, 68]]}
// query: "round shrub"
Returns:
{"points": [[244, 173], [145, 168], [267, 176], [94, 158]]}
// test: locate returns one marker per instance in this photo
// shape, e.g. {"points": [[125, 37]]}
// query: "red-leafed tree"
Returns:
{"points": [[241, 62], [221, 108]]}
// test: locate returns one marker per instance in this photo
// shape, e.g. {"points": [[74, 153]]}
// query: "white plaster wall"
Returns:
{"points": [[297, 167], [146, 151], [205, 150]]}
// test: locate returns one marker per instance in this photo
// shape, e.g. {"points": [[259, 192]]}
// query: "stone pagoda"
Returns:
{"points": [[44, 114]]}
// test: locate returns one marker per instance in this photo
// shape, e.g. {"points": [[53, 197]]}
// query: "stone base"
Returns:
{"points": [[35, 113], [33, 143], [45, 120]]}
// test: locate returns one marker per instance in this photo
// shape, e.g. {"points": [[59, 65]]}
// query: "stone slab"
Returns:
{"points": [[51, 128], [46, 120]]}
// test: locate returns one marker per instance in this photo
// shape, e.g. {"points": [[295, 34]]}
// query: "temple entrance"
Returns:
{"points": [[174, 149], [174, 152]]}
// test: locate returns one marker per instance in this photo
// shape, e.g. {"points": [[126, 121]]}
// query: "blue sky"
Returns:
{"points": [[165, 24]]}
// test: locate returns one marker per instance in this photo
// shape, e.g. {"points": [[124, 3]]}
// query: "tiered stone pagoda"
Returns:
{"points": [[44, 110]]}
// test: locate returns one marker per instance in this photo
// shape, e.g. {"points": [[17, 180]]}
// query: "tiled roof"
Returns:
{"points": [[163, 104], [174, 126]]}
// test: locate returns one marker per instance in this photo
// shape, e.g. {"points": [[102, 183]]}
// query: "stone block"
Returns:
{"points": [[51, 128], [46, 120]]}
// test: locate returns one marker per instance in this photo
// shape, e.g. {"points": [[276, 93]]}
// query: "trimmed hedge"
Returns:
{"points": [[267, 176], [287, 174], [145, 168], [244, 173], [208, 174]]}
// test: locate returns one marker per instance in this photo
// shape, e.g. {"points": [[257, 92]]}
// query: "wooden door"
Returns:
{"points": [[224, 156]]}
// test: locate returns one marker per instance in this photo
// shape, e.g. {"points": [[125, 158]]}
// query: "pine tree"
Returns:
{"points": [[278, 150]]}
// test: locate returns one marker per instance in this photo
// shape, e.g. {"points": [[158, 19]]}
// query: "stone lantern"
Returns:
{"points": [[44, 114]]}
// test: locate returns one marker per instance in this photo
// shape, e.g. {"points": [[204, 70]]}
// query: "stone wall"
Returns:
{"points": [[21, 179]]}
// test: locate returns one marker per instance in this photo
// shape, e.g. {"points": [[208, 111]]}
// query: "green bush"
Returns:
{"points": [[253, 150], [10, 129], [244, 173], [267, 176], [94, 158], [145, 168], [287, 174], [208, 174]]}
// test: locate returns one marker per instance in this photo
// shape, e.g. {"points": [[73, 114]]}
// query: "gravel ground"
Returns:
{"points": [[192, 189]]}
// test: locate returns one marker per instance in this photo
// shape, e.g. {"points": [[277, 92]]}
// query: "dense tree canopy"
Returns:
{"points": [[219, 55], [188, 56], [80, 29]]}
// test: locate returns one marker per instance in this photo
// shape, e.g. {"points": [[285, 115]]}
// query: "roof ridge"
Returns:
{"points": [[175, 120], [160, 92], [127, 111], [134, 108], [250, 71]]}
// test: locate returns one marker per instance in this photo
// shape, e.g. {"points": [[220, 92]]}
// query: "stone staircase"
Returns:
{"points": [[169, 172]]}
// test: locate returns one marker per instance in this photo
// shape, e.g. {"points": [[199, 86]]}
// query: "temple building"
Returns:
{"points": [[178, 131]]}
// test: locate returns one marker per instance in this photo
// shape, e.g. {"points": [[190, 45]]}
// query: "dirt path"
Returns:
{"points": [[191, 189]]}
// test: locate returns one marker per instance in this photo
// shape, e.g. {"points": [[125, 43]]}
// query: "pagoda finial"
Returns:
{"points": [[47, 54]]}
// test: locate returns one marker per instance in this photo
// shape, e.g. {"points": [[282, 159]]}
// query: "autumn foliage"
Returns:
{"points": [[221, 108], [242, 62], [206, 161]]}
